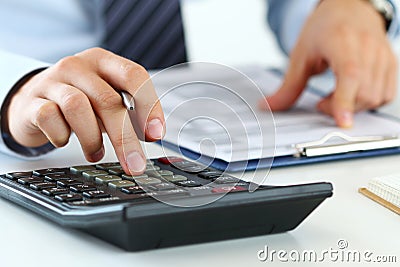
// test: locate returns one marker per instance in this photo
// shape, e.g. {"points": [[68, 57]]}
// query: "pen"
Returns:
{"points": [[127, 100]]}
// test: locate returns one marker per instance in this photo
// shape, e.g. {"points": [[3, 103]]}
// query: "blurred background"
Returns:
{"points": [[232, 32], [236, 33]]}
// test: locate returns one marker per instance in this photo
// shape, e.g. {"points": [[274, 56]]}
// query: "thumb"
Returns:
{"points": [[293, 85]]}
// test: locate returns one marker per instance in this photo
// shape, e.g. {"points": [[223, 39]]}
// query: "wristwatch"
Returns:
{"points": [[385, 8]]}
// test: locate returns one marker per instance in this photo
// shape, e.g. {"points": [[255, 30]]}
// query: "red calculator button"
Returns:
{"points": [[169, 160], [226, 189]]}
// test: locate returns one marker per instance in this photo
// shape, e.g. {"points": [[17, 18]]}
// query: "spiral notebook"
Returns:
{"points": [[385, 191], [216, 121]]}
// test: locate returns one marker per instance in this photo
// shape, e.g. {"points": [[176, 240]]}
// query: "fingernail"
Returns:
{"points": [[135, 162], [98, 155], [346, 119], [155, 129]]}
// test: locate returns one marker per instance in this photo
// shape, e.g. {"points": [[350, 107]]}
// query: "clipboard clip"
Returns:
{"points": [[348, 144]]}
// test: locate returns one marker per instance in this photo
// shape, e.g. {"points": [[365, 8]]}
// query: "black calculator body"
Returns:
{"points": [[127, 212]]}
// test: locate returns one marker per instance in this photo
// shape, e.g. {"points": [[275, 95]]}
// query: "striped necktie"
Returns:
{"points": [[149, 32]]}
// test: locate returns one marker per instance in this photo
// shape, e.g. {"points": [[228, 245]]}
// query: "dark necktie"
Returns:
{"points": [[149, 32]]}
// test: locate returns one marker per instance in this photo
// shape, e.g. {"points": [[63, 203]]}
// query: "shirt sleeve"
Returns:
{"points": [[14, 69], [286, 19], [394, 28]]}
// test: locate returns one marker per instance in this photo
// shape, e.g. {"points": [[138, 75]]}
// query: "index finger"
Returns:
{"points": [[343, 99], [294, 82], [123, 74], [347, 68]]}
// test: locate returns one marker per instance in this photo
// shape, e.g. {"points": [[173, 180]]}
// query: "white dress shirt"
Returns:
{"points": [[35, 34]]}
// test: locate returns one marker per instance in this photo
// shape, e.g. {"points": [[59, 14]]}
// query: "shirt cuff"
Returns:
{"points": [[394, 27], [296, 14], [12, 68]]}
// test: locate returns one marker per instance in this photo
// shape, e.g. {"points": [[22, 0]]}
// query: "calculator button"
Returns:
{"points": [[116, 171], [96, 194], [210, 174], [204, 189], [82, 168], [183, 164], [44, 172], [153, 174], [94, 201], [68, 183], [91, 175], [152, 168], [41, 186], [17, 175], [108, 165], [172, 192], [162, 186], [132, 190], [132, 178], [245, 184], [226, 189], [189, 167], [68, 197], [165, 173], [106, 178], [226, 180], [55, 191], [194, 169], [175, 178], [80, 188], [30, 180], [169, 160], [147, 181], [106, 199], [121, 184], [175, 192], [59, 176], [188, 183]]}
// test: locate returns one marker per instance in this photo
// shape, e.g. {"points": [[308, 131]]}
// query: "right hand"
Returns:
{"points": [[357, 50], [77, 94]]}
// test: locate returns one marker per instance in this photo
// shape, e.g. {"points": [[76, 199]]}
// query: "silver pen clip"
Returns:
{"points": [[322, 147], [128, 100]]}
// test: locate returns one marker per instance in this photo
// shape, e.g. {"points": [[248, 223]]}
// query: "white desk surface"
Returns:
{"points": [[29, 240]]}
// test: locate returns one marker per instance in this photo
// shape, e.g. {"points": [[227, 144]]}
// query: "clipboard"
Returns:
{"points": [[335, 144], [282, 161]]}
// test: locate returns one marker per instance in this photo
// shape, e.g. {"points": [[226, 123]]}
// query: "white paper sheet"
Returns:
{"points": [[217, 115]]}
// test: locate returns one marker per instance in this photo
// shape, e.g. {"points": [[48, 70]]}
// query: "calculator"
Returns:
{"points": [[174, 202]]}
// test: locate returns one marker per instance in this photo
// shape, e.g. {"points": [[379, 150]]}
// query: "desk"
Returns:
{"points": [[29, 240]]}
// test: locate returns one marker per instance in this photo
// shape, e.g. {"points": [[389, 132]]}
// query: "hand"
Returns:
{"points": [[77, 94], [350, 38]]}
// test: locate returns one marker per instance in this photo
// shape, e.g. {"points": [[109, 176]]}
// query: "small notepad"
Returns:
{"points": [[384, 190]]}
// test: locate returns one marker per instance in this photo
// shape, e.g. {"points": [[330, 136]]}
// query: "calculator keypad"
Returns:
{"points": [[105, 183]]}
